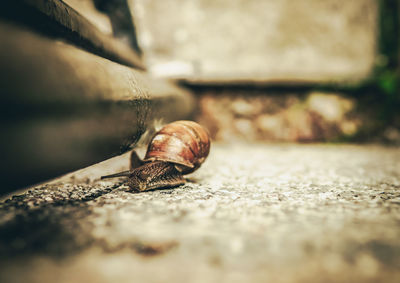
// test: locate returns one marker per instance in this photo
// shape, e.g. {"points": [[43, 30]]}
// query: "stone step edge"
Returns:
{"points": [[56, 19], [104, 107]]}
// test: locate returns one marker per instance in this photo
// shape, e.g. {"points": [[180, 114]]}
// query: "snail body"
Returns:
{"points": [[179, 148]]}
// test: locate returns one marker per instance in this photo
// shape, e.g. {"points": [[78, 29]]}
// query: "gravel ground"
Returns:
{"points": [[252, 213]]}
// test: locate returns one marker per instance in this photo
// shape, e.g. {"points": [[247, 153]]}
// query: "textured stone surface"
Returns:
{"points": [[258, 40], [253, 212]]}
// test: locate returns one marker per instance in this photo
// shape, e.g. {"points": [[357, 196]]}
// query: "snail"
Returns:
{"points": [[179, 148]]}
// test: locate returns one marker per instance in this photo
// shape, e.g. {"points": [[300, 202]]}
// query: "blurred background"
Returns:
{"points": [[292, 71]]}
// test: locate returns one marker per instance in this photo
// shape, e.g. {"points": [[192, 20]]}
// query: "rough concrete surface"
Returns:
{"points": [[252, 213], [258, 40]]}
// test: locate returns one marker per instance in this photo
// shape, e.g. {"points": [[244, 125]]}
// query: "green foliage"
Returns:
{"points": [[387, 71], [389, 32], [388, 83]]}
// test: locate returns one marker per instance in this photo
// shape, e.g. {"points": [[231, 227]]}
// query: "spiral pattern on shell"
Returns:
{"points": [[184, 143]]}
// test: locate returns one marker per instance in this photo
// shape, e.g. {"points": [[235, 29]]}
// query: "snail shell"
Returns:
{"points": [[184, 143]]}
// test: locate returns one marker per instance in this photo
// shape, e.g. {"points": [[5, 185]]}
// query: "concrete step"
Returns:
{"points": [[56, 19], [63, 108]]}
